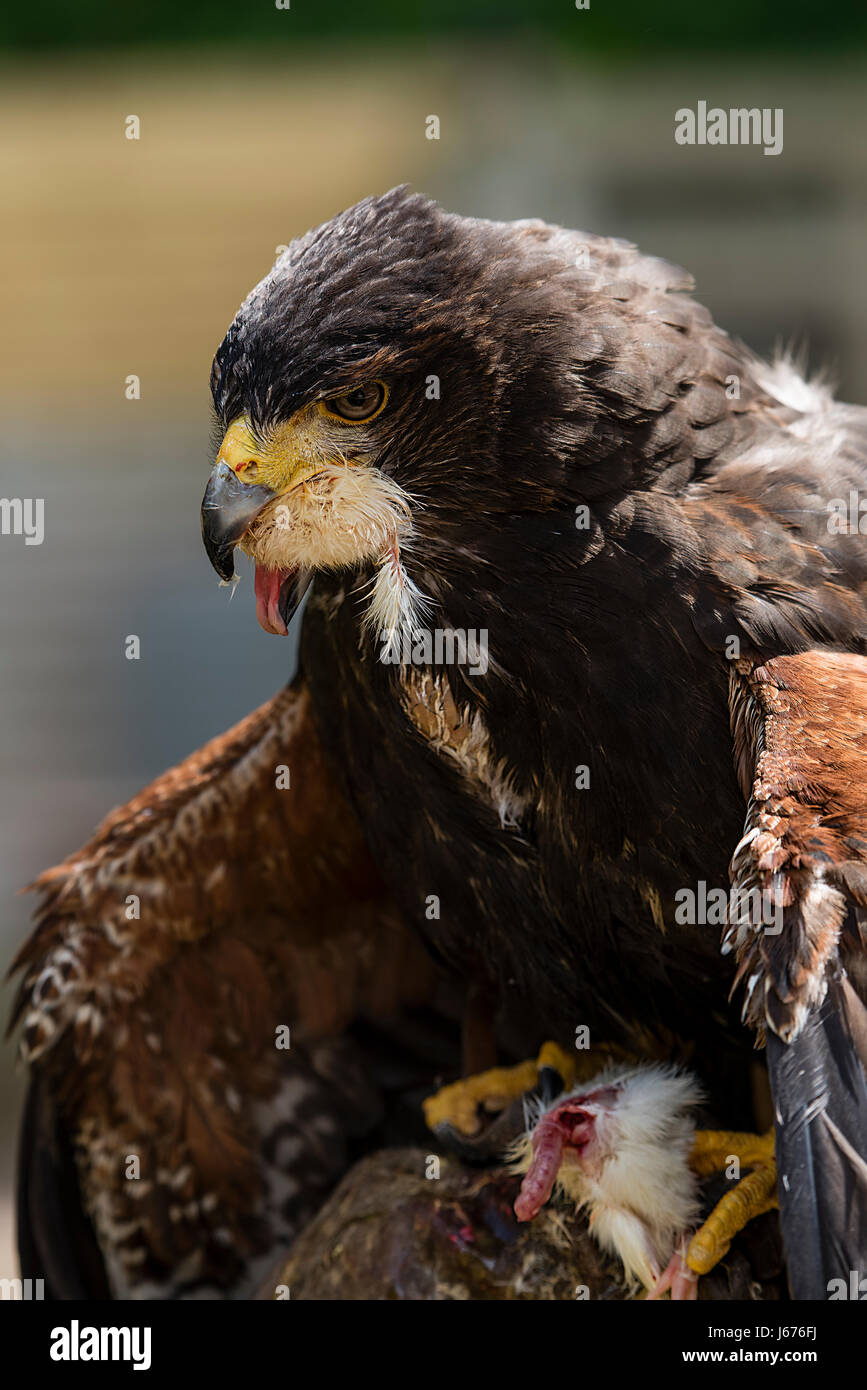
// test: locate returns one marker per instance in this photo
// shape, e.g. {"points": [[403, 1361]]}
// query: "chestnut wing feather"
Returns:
{"points": [[213, 909], [800, 734]]}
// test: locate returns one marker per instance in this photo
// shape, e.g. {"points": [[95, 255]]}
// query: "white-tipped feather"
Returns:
{"points": [[396, 609], [785, 379]]}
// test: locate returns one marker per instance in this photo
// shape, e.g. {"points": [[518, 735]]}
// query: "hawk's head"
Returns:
{"points": [[384, 393], [407, 390]]}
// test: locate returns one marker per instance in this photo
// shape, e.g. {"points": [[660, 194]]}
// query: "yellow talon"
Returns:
{"points": [[457, 1105], [713, 1149], [552, 1055], [755, 1194]]}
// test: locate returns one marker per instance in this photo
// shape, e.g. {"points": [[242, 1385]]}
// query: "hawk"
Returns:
{"points": [[584, 643]]}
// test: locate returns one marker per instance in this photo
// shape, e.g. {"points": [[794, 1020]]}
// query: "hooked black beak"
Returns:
{"points": [[229, 508]]}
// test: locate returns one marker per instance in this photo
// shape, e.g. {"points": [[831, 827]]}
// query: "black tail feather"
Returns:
{"points": [[820, 1104], [56, 1242]]}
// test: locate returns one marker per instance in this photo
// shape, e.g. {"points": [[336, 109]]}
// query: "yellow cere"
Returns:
{"points": [[294, 452]]}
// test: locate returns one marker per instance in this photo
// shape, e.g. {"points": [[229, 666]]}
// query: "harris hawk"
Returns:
{"points": [[584, 640]]}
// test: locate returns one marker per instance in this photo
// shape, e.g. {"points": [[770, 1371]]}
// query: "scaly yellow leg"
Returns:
{"points": [[753, 1195], [458, 1104]]}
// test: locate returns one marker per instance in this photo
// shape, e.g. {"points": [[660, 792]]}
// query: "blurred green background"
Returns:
{"points": [[618, 26], [128, 257]]}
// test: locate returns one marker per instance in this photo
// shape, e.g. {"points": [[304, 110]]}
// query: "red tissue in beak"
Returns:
{"points": [[268, 585]]}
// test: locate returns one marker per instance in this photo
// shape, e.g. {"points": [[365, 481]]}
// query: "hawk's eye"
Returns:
{"points": [[360, 404]]}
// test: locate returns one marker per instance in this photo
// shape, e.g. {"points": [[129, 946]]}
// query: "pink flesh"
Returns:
{"points": [[267, 585], [678, 1277], [538, 1184]]}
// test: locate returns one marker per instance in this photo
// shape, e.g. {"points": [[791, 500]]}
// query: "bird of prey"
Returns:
{"points": [[583, 652]]}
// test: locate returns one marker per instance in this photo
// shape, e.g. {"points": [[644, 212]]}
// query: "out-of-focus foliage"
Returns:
{"points": [[616, 26]]}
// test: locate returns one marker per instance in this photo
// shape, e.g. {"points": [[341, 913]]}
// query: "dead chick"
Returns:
{"points": [[619, 1146]]}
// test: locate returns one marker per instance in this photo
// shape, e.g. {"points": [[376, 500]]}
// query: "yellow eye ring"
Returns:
{"points": [[369, 398]]}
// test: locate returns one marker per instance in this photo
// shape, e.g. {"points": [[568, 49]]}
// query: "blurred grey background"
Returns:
{"points": [[124, 257]]}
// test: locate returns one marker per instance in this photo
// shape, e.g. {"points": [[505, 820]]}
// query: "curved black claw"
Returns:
{"points": [[550, 1085]]}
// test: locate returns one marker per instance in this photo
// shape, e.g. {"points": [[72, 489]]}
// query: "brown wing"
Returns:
{"points": [[799, 929], [232, 899]]}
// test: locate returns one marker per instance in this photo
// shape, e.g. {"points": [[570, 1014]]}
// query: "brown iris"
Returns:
{"points": [[360, 404]]}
